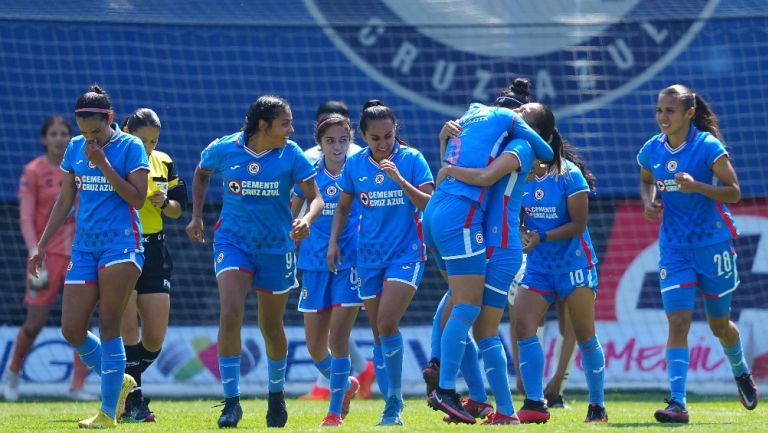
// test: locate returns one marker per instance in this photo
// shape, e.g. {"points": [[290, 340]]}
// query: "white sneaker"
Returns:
{"points": [[11, 386], [81, 395]]}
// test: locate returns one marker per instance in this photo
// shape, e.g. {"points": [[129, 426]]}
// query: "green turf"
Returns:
{"points": [[628, 412]]}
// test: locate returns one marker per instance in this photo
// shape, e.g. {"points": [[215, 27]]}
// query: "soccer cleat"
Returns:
{"points": [[673, 413], [11, 386], [366, 379], [332, 420], [231, 414], [495, 418], [596, 413], [100, 421], [747, 391], [81, 394], [431, 375], [392, 410], [477, 409], [448, 402], [317, 393], [533, 412], [557, 402], [277, 414], [137, 409], [352, 389], [129, 384]]}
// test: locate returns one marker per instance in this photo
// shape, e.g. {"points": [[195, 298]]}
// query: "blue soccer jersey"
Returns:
{"points": [[256, 212], [484, 132], [390, 226], [545, 206], [104, 220], [689, 220], [502, 217], [314, 248]]}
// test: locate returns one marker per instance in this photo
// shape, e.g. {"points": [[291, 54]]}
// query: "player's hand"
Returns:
{"points": [[450, 129], [195, 230], [299, 229], [333, 256], [685, 182], [95, 154], [391, 170], [530, 241], [158, 198], [35, 263], [653, 211]]}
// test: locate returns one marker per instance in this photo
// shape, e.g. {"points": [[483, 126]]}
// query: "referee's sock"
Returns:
{"points": [[146, 358], [132, 361], [90, 352]]}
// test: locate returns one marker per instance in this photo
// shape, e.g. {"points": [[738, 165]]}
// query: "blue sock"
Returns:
{"points": [[381, 370], [532, 367], [677, 372], [112, 372], [392, 347], [437, 331], [736, 357], [593, 360], [495, 361], [340, 370], [470, 368], [276, 369], [90, 352], [229, 368], [324, 366], [453, 342]]}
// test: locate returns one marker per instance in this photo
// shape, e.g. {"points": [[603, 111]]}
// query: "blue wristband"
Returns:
{"points": [[542, 236]]}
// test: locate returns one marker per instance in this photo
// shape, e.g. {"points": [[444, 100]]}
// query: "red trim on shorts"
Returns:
{"points": [[420, 234], [489, 252], [540, 291], [217, 225], [504, 224], [135, 227], [710, 296], [727, 219], [587, 253], [247, 272], [689, 284]]}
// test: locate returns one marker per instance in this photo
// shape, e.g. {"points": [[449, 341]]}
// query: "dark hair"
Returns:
{"points": [[541, 119], [95, 98], [375, 109], [517, 94], [331, 106], [704, 118], [49, 122], [141, 118], [330, 120], [266, 108]]}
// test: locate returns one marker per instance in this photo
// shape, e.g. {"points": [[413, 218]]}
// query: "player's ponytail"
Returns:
{"points": [[375, 109], [94, 102], [568, 152], [266, 108], [518, 93]]}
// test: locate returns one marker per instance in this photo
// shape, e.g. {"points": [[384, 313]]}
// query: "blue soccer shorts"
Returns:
{"points": [[322, 290], [271, 273], [503, 265], [84, 266], [453, 228], [372, 279], [559, 286]]}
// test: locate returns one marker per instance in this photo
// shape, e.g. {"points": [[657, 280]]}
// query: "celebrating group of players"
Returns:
{"points": [[509, 184]]}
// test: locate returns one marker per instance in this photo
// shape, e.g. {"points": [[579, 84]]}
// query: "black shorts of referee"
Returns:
{"points": [[156, 275]]}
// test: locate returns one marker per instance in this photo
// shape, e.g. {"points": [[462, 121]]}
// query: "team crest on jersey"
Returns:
{"points": [[671, 165], [220, 258], [538, 194], [379, 179], [331, 190], [441, 55], [91, 164], [479, 237], [254, 168], [364, 198], [235, 186], [663, 273]]}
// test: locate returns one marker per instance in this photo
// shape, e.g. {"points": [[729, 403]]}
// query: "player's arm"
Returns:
{"points": [[297, 203], [315, 204], [728, 192], [541, 148], [419, 196], [450, 129], [651, 204], [578, 211], [500, 167], [340, 218], [200, 182], [27, 206], [59, 214]]}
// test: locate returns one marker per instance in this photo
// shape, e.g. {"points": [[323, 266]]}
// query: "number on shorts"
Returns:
{"points": [[577, 277], [288, 260], [353, 277], [723, 262]]}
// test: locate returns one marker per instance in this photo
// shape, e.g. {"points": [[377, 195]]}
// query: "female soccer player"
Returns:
{"points": [[393, 184], [167, 196], [453, 223], [108, 170], [560, 265], [38, 189], [696, 235], [330, 301], [253, 242]]}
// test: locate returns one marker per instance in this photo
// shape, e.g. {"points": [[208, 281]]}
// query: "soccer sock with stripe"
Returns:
{"points": [[593, 361], [453, 341], [112, 372], [132, 367], [229, 368], [495, 361], [677, 372], [470, 369], [736, 358], [276, 373], [90, 352], [381, 370], [340, 370], [532, 367], [324, 366], [392, 348]]}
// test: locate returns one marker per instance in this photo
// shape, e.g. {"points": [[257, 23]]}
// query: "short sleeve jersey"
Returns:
{"points": [[104, 220], [313, 249], [545, 207], [255, 213], [505, 197], [390, 226], [162, 176], [689, 220]]}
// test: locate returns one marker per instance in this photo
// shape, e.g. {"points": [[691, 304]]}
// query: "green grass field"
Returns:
{"points": [[628, 412]]}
